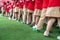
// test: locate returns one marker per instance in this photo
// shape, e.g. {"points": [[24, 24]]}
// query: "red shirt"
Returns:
{"points": [[38, 4], [8, 7], [20, 3], [31, 5], [45, 3], [25, 3], [4, 7], [54, 3], [13, 5]]}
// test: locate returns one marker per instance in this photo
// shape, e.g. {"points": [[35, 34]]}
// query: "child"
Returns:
{"points": [[13, 6], [30, 10], [4, 9], [53, 13], [16, 9], [20, 9], [10, 11], [37, 12], [7, 9], [25, 5], [42, 18]]}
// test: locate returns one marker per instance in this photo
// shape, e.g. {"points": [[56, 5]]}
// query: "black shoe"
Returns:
{"points": [[32, 24]]}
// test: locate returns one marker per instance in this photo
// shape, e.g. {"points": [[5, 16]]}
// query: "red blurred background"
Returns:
{"points": [[1, 1]]}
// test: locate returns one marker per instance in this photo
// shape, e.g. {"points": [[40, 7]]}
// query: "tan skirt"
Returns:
{"points": [[37, 12], [25, 10], [30, 11], [16, 9], [53, 12], [20, 11], [43, 13]]}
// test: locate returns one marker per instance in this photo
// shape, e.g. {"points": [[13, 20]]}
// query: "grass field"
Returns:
{"points": [[12, 30]]}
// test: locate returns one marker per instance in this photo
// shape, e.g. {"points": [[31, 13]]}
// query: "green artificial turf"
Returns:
{"points": [[12, 30]]}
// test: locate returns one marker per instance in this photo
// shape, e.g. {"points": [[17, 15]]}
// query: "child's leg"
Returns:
{"points": [[19, 14], [40, 23], [24, 15], [49, 25], [41, 20], [6, 14], [59, 22], [37, 19], [16, 15], [11, 13], [34, 17], [3, 12], [28, 17]]}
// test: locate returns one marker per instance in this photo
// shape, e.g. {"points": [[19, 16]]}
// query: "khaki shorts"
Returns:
{"points": [[16, 9], [20, 11], [37, 12], [30, 11], [53, 12]]}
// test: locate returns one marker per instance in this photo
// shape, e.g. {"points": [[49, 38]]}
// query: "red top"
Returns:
{"points": [[26, 2], [13, 5], [16, 4], [31, 5], [45, 3], [38, 4], [20, 3], [54, 3], [4, 7], [8, 7]]}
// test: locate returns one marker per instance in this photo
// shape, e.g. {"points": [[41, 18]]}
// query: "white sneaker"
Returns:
{"points": [[34, 26], [17, 21], [46, 33], [58, 37], [9, 18]]}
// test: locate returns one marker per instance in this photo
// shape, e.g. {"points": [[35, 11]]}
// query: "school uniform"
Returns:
{"points": [[25, 6], [7, 9], [38, 7], [20, 6], [10, 8], [53, 10], [3, 9], [42, 19], [30, 10], [16, 9], [31, 6], [13, 6]]}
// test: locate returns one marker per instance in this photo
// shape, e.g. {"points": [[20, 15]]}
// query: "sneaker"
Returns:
{"points": [[35, 29], [46, 33], [32, 24], [9, 18], [17, 21], [58, 37], [23, 22]]}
